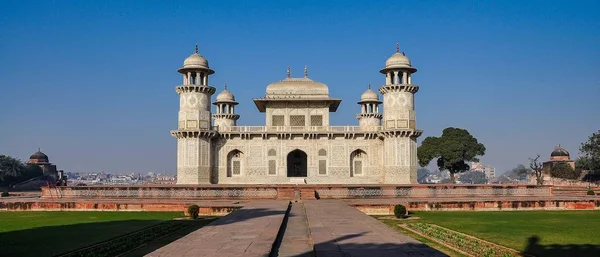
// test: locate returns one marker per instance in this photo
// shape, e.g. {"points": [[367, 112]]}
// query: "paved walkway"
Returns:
{"points": [[341, 230], [249, 231], [321, 228], [296, 239]]}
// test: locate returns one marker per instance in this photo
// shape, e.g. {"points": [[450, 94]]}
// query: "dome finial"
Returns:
{"points": [[289, 73], [225, 85], [397, 47], [306, 71], [369, 85], [39, 150], [196, 48]]}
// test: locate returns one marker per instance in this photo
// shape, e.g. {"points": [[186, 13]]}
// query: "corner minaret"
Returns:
{"points": [[194, 133], [369, 118], [225, 116], [399, 120]]}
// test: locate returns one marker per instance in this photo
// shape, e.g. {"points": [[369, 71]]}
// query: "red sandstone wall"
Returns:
{"points": [[283, 192], [371, 209]]}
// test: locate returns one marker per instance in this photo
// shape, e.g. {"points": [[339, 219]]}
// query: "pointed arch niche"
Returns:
{"points": [[234, 163], [358, 162]]}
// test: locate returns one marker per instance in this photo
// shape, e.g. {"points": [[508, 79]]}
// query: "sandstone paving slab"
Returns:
{"points": [[296, 240], [338, 229], [249, 231]]}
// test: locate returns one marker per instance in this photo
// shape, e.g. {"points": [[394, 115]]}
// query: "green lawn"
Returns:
{"points": [[569, 229], [51, 233]]}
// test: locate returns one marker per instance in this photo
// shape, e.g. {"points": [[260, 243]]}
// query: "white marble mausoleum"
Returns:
{"points": [[297, 144]]}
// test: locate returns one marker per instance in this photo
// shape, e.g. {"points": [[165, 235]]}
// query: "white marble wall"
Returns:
{"points": [[287, 109], [255, 164], [400, 160], [193, 160]]}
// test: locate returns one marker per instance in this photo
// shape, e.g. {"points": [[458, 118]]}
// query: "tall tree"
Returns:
{"points": [[453, 150], [590, 151], [537, 167], [518, 173], [10, 169]]}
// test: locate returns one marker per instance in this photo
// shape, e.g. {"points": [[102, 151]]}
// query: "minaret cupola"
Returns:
{"points": [[225, 116], [369, 117], [195, 70], [398, 69]]}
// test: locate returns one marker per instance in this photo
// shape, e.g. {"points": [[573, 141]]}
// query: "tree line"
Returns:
{"points": [[456, 147], [14, 171]]}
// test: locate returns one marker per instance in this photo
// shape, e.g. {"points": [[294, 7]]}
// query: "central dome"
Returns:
{"points": [[297, 87], [39, 157], [559, 151]]}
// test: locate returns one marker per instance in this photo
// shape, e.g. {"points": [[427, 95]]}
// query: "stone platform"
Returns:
{"points": [[373, 199], [371, 206], [291, 192]]}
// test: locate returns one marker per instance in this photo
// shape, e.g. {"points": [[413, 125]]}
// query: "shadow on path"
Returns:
{"points": [[338, 248]]}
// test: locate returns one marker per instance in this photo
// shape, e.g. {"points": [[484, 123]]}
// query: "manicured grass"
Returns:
{"points": [[51, 233], [569, 229]]}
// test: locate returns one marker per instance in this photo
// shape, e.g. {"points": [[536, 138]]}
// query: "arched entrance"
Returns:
{"points": [[296, 164]]}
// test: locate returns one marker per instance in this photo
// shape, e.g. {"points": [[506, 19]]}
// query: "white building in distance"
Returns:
{"points": [[297, 145], [489, 171]]}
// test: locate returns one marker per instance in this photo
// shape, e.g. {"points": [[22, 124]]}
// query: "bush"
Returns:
{"points": [[5, 194], [590, 192], [400, 211], [564, 171], [194, 211]]}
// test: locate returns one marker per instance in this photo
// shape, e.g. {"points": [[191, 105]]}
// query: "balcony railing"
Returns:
{"points": [[251, 129]]}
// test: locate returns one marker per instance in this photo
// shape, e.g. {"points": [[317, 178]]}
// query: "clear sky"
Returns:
{"points": [[92, 82]]}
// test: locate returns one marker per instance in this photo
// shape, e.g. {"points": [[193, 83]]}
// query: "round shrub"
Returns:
{"points": [[590, 192], [5, 194], [400, 211], [194, 211]]}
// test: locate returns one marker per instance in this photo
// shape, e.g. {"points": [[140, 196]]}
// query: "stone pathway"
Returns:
{"points": [[341, 230], [320, 228], [296, 239], [249, 231]]}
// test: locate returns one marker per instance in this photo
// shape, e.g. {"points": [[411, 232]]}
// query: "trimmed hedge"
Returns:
{"points": [[400, 211], [194, 211]]}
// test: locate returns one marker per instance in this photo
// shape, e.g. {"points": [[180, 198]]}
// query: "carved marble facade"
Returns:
{"points": [[297, 145]]}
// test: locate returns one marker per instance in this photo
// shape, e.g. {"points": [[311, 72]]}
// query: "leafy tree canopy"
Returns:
{"points": [[590, 153], [13, 171], [453, 150], [563, 170]]}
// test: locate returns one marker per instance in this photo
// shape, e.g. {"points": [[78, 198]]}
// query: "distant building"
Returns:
{"points": [[50, 175], [41, 159], [490, 171], [558, 156]]}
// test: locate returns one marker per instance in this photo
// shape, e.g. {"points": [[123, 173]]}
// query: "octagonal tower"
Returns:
{"points": [[194, 133]]}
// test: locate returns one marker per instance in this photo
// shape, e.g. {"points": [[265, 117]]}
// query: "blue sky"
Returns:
{"points": [[92, 82]]}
